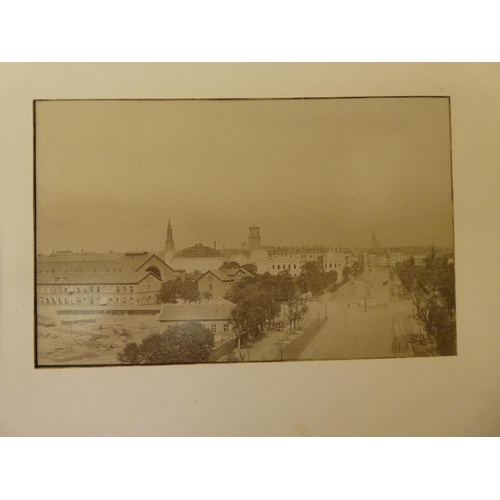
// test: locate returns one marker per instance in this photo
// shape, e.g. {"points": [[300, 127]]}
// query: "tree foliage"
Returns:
{"points": [[229, 264], [314, 279], [189, 342], [432, 288], [262, 300], [172, 290]]}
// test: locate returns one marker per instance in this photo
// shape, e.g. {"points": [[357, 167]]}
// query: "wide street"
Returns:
{"points": [[365, 319]]}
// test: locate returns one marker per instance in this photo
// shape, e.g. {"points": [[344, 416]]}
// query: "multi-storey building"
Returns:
{"points": [[98, 289]]}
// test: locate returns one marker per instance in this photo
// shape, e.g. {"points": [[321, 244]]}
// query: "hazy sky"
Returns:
{"points": [[109, 174]]}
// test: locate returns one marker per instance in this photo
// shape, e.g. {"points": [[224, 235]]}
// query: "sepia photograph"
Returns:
{"points": [[188, 231]]}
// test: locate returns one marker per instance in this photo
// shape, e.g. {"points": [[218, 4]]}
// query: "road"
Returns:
{"points": [[353, 331]]}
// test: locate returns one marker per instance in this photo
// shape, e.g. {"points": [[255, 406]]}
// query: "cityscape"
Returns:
{"points": [[192, 232]]}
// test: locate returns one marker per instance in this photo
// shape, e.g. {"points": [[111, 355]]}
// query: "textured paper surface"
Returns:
{"points": [[437, 396]]}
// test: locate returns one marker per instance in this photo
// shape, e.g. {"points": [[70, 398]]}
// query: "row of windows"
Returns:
{"points": [[213, 327], [85, 289], [82, 301], [302, 256], [90, 289], [279, 266]]}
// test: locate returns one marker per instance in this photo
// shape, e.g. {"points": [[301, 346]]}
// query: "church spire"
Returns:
{"points": [[374, 242], [169, 243]]}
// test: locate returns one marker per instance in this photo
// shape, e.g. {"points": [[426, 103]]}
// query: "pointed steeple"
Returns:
{"points": [[374, 242], [169, 243]]}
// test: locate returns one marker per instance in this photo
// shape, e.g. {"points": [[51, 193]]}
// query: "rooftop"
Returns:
{"points": [[218, 309], [198, 251]]}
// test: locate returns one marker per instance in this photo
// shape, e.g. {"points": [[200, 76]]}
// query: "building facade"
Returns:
{"points": [[101, 289]]}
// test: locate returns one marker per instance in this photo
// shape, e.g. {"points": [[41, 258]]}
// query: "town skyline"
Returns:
{"points": [[221, 246], [328, 172]]}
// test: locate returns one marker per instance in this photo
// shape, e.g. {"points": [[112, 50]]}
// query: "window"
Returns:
{"points": [[273, 266], [78, 289], [65, 289], [79, 300], [117, 300], [91, 301], [84, 289], [98, 289], [117, 289], [91, 289], [149, 288], [295, 266], [213, 328], [104, 289], [226, 327], [124, 289], [84, 300], [278, 266], [131, 289], [209, 277], [124, 301]]}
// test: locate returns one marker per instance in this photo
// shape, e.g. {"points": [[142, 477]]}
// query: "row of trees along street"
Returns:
{"points": [[279, 301], [432, 289]]}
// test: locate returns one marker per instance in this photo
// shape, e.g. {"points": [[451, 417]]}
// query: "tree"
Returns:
{"points": [[188, 291], [356, 268], [189, 342], [346, 273], [231, 264], [250, 267], [312, 278], [432, 288], [169, 292]]}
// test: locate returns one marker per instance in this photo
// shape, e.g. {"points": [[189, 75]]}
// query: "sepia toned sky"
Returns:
{"points": [[109, 174]]}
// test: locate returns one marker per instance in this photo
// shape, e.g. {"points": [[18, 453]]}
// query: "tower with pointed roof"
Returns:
{"points": [[169, 243], [374, 242]]}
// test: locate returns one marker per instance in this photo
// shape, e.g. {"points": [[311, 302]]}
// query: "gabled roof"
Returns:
{"points": [[162, 262], [132, 278], [219, 274], [218, 309], [234, 271], [128, 262]]}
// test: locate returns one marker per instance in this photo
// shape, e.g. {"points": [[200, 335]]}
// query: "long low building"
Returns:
{"points": [[88, 289], [214, 314]]}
